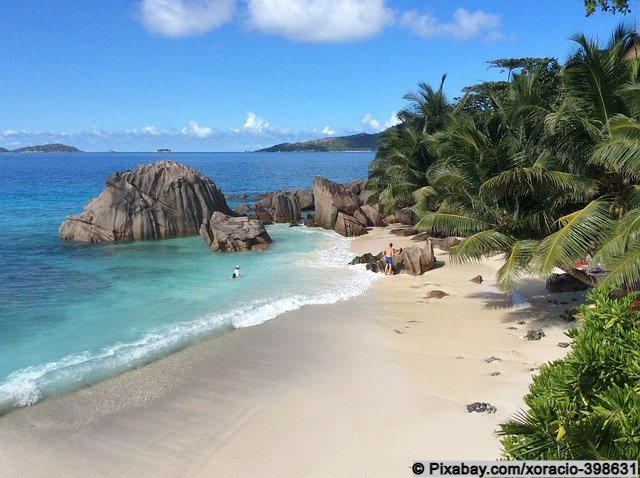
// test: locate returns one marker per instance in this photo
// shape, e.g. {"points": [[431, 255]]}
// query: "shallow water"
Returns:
{"points": [[73, 314]]}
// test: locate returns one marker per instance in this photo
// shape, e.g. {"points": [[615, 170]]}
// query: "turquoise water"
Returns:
{"points": [[74, 314]]}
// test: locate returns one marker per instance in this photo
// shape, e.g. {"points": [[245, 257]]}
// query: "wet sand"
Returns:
{"points": [[364, 387]]}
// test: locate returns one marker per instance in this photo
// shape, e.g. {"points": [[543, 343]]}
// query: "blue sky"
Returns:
{"points": [[236, 75]]}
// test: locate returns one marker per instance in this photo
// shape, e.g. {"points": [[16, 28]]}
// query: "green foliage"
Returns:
{"points": [[486, 95], [613, 6], [585, 406]]}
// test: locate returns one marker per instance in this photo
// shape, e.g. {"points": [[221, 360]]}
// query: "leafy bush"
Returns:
{"points": [[585, 406]]}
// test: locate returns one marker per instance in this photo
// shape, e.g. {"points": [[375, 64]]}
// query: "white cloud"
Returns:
{"points": [[320, 21], [179, 18], [255, 123], [194, 129], [328, 131], [371, 124], [464, 26], [393, 121], [151, 130]]}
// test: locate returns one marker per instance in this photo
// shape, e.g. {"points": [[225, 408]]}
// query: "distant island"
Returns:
{"points": [[355, 142], [163, 150], [45, 148]]}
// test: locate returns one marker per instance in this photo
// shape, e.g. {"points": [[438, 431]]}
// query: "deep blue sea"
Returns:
{"points": [[74, 314]]}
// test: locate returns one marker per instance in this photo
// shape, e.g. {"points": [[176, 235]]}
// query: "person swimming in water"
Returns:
{"points": [[236, 272]]}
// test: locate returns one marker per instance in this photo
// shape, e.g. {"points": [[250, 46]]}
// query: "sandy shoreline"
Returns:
{"points": [[359, 388]]}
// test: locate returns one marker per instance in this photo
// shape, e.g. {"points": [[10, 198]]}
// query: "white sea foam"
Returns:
{"points": [[320, 277]]}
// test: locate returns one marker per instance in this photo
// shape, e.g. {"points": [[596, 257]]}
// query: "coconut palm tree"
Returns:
{"points": [[496, 183], [595, 133], [549, 184], [404, 157]]}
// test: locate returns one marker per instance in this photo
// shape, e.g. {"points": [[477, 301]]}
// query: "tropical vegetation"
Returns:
{"points": [[586, 405], [543, 169]]}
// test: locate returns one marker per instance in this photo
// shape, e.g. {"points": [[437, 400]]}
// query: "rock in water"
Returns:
{"points": [[233, 234], [160, 200]]}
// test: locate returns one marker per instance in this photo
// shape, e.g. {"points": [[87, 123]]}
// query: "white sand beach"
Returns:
{"points": [[364, 387]]}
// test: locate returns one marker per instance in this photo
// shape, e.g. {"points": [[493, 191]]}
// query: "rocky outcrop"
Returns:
{"points": [[285, 207], [558, 283], [305, 196], [349, 226], [160, 200], [374, 218], [356, 186], [338, 208], [412, 260], [415, 260], [402, 216], [226, 233], [372, 263]]}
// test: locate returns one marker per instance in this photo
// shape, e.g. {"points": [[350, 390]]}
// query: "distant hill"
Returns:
{"points": [[355, 142], [45, 148]]}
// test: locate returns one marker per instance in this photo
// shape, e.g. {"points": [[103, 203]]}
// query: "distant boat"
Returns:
{"points": [[163, 150]]}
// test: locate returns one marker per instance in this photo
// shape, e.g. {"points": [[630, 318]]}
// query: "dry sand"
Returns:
{"points": [[364, 387]]}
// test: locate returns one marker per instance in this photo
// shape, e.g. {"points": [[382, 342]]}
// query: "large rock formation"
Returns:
{"points": [[374, 218], [285, 207], [415, 260], [412, 260], [225, 233], [159, 200], [338, 208]]}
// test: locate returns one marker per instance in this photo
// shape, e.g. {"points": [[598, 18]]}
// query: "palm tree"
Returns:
{"points": [[545, 186], [595, 133], [403, 158], [496, 184]]}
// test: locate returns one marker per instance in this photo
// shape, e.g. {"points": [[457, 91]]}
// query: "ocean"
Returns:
{"points": [[73, 314]]}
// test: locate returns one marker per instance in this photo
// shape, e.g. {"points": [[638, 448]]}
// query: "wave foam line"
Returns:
{"points": [[27, 386]]}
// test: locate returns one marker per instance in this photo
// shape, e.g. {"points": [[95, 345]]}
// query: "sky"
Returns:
{"points": [[240, 75]]}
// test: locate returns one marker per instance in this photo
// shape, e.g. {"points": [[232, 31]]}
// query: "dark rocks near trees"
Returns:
{"points": [[403, 216], [416, 260], [477, 279], [558, 283], [412, 260], [373, 215], [160, 200], [338, 208]]}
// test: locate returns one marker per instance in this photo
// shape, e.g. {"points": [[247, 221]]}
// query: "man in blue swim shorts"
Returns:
{"points": [[388, 259]]}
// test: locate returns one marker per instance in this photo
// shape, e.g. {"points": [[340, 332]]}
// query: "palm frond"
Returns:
{"points": [[578, 233], [620, 150], [623, 269], [452, 224], [480, 245], [516, 265]]}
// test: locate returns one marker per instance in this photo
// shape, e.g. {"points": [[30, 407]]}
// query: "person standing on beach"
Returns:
{"points": [[388, 259]]}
